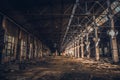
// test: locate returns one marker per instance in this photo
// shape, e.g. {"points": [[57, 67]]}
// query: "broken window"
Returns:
{"points": [[9, 45]]}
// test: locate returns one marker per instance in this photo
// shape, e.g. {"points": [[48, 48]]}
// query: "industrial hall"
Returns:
{"points": [[59, 39]]}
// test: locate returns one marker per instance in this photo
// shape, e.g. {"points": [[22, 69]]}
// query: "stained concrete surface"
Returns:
{"points": [[63, 68]]}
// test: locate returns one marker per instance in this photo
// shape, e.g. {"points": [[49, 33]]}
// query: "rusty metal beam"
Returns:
{"points": [[70, 20]]}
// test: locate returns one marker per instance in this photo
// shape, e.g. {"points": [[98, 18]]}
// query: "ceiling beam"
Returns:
{"points": [[70, 20]]}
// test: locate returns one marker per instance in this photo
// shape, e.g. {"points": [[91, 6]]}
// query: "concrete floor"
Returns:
{"points": [[63, 68]]}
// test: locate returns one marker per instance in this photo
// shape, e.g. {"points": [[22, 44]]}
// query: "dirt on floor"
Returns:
{"points": [[62, 68]]}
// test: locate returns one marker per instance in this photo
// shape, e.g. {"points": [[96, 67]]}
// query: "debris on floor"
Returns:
{"points": [[62, 68]]}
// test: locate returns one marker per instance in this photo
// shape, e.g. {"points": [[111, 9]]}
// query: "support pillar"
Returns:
{"points": [[113, 34], [96, 40], [87, 45], [114, 50], [67, 52], [2, 34], [41, 54], [28, 43], [97, 52], [88, 54], [82, 48], [18, 55], [75, 50], [102, 48], [18, 46], [78, 47]]}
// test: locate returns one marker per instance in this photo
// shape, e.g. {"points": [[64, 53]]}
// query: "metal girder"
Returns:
{"points": [[57, 14], [88, 19], [70, 20]]}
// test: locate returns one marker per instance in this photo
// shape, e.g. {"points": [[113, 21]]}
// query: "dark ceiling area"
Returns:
{"points": [[48, 19]]}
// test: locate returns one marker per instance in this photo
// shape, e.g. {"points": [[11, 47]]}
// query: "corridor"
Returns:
{"points": [[64, 68], [59, 39]]}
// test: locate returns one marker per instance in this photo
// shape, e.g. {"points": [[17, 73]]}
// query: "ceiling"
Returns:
{"points": [[48, 19]]}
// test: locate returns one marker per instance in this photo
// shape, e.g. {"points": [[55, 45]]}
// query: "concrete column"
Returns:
{"points": [[78, 50], [82, 48], [75, 51], [114, 50], [113, 35], [2, 34], [88, 51], [87, 45], [96, 39], [18, 45], [28, 42], [97, 52], [114, 42], [41, 47], [67, 52], [33, 47]]}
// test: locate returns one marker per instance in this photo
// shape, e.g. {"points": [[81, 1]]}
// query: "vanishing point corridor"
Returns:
{"points": [[59, 39]]}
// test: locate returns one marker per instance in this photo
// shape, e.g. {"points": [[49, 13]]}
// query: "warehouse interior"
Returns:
{"points": [[60, 40]]}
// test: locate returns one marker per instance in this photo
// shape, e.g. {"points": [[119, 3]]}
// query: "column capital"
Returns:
{"points": [[81, 44], [113, 33]]}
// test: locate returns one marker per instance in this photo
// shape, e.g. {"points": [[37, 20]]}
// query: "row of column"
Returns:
{"points": [[82, 45], [18, 44]]}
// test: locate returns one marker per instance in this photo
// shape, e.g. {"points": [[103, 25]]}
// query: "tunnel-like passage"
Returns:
{"points": [[60, 40]]}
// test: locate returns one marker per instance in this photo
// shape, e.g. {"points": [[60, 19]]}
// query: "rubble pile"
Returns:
{"points": [[62, 68]]}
